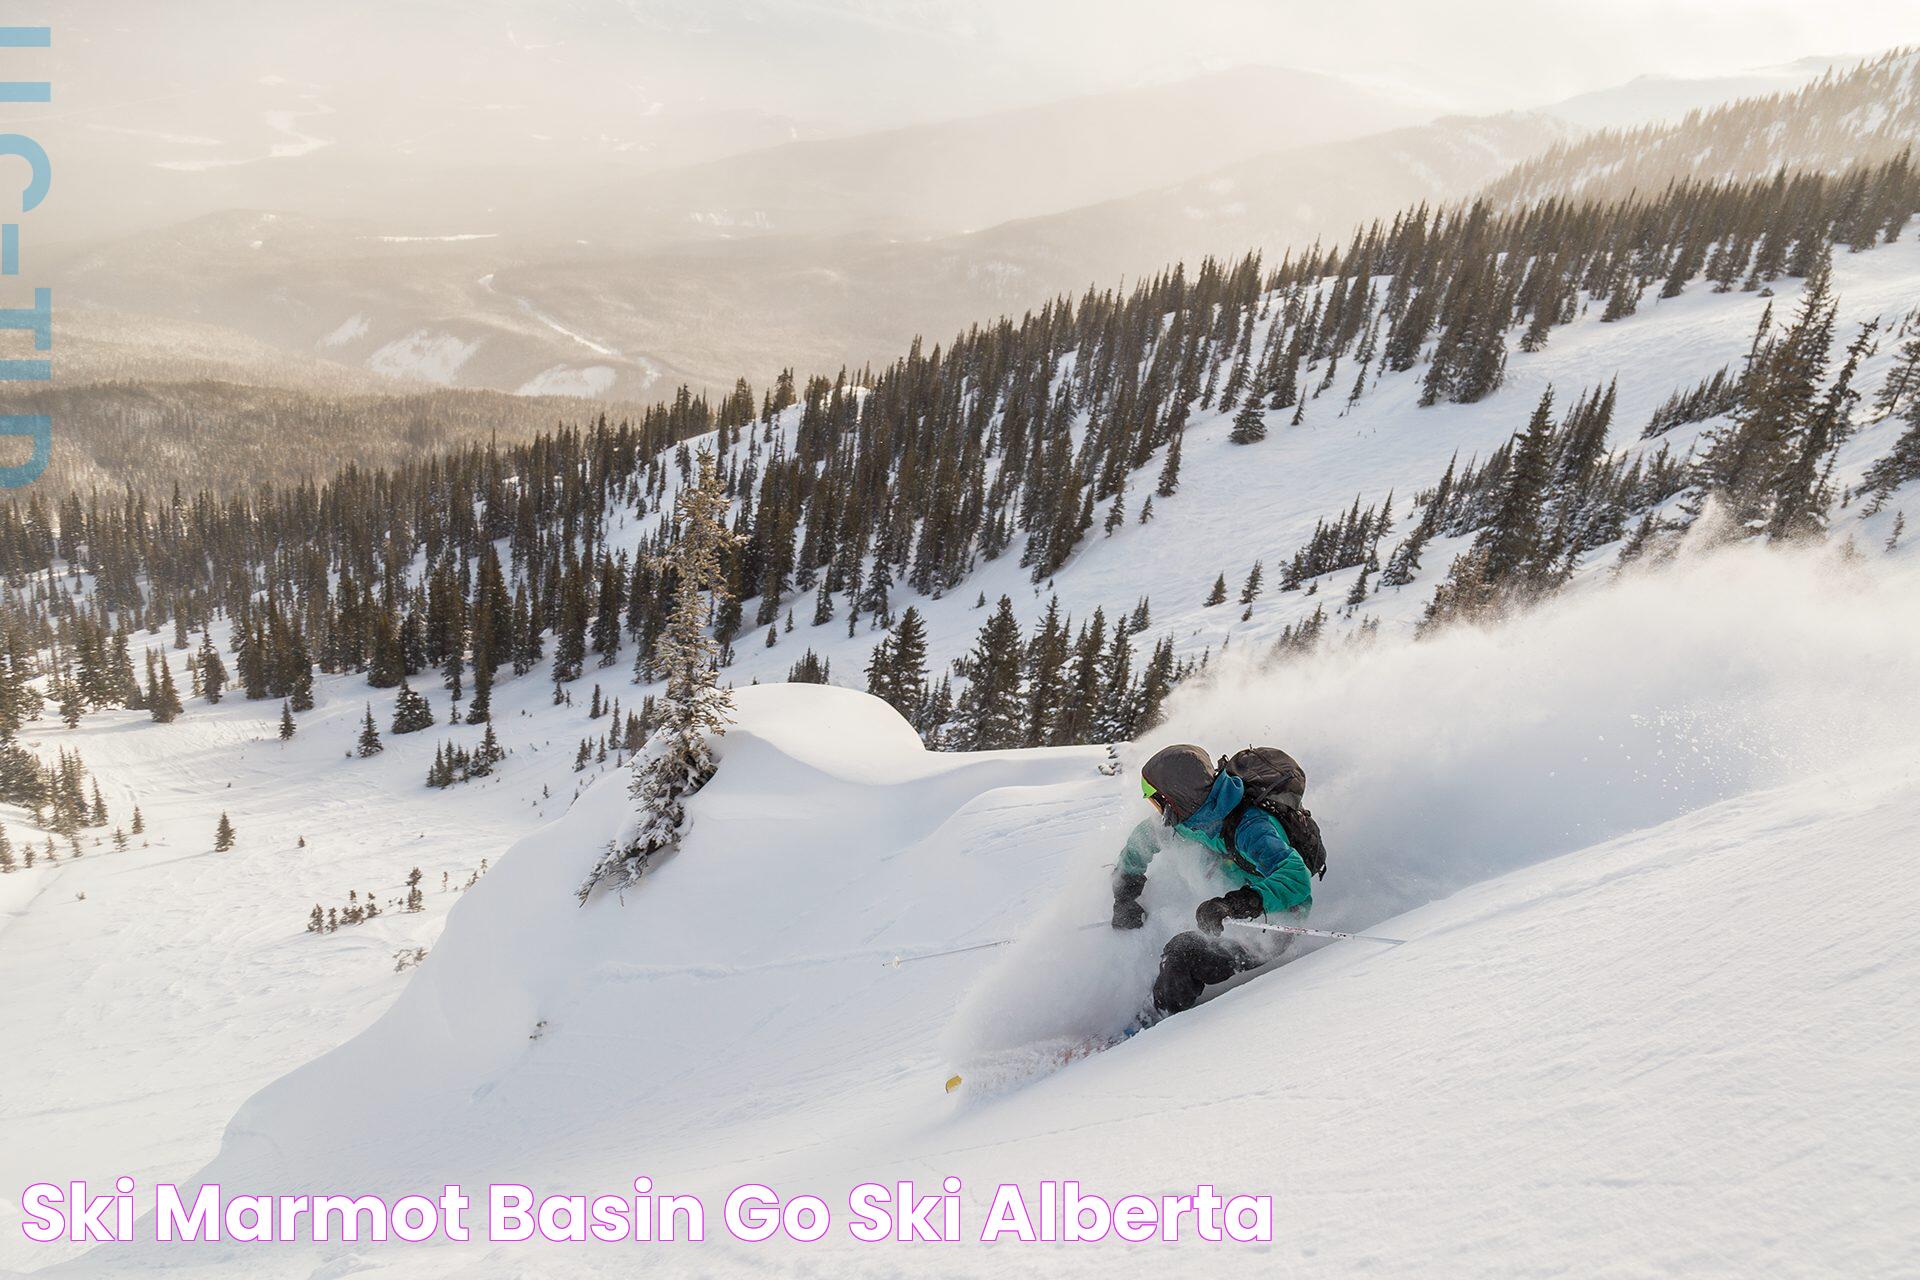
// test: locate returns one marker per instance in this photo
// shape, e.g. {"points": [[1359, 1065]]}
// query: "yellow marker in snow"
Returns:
{"points": [[953, 1083]]}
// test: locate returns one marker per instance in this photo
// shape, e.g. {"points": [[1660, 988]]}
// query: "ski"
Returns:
{"points": [[1014, 1068], [1318, 933]]}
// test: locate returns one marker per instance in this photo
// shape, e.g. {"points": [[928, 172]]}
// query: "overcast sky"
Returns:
{"points": [[165, 109], [867, 62]]}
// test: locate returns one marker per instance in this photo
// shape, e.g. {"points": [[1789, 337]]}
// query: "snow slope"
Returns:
{"points": [[142, 1017], [1657, 895]]}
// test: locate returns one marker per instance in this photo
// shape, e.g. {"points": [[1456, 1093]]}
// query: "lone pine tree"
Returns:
{"points": [[678, 760], [369, 743]]}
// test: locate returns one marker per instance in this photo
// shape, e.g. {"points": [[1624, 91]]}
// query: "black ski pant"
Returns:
{"points": [[1191, 962]]}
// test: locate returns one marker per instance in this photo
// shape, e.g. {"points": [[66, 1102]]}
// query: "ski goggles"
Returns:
{"points": [[1153, 795]]}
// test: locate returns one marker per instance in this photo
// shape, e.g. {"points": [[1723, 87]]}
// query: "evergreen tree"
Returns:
{"points": [[1046, 675], [369, 743], [1511, 544], [679, 759], [1250, 424], [286, 722], [164, 702], [1404, 563], [213, 672], [990, 706], [1250, 590], [1169, 482], [897, 672], [1116, 719], [486, 755], [411, 712], [223, 835]]}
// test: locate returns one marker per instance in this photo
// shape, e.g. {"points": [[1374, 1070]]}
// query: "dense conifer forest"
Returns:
{"points": [[852, 494]]}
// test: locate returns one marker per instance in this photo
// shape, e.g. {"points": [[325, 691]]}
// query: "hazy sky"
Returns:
{"points": [[861, 63], [163, 110]]}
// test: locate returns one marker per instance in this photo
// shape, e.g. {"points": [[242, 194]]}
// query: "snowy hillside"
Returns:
{"points": [[1236, 504], [183, 982], [1646, 840], [1651, 896], [1836, 117]]}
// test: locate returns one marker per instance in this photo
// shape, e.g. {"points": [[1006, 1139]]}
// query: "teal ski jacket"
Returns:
{"points": [[1274, 869]]}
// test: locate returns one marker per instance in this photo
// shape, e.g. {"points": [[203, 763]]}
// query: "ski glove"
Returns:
{"points": [[1242, 904], [1127, 911]]}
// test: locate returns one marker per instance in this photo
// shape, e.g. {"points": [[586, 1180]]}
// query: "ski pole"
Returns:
{"points": [[897, 961], [1317, 933]]}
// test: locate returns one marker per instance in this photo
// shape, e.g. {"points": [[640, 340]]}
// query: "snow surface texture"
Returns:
{"points": [[736, 1018], [1672, 1051]]}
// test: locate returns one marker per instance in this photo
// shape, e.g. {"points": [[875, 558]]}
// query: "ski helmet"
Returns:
{"points": [[1181, 777]]}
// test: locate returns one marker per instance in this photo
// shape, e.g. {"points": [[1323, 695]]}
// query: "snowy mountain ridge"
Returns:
{"points": [[1848, 115]]}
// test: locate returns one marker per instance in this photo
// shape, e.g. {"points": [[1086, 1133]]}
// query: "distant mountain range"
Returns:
{"points": [[817, 254]]}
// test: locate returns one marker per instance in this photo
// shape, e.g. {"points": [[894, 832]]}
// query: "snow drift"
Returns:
{"points": [[741, 989]]}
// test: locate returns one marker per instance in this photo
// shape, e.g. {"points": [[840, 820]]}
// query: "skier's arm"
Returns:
{"points": [[1278, 875], [1130, 877], [1142, 844]]}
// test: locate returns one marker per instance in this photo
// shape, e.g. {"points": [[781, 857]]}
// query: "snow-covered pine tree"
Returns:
{"points": [[1404, 563], [286, 722], [678, 760], [223, 834], [1249, 425], [486, 755], [411, 712], [369, 743]]}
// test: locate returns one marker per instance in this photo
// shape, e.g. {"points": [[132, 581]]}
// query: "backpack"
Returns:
{"points": [[1275, 784]]}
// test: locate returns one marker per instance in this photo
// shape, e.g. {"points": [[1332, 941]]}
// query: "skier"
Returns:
{"points": [[1202, 803]]}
